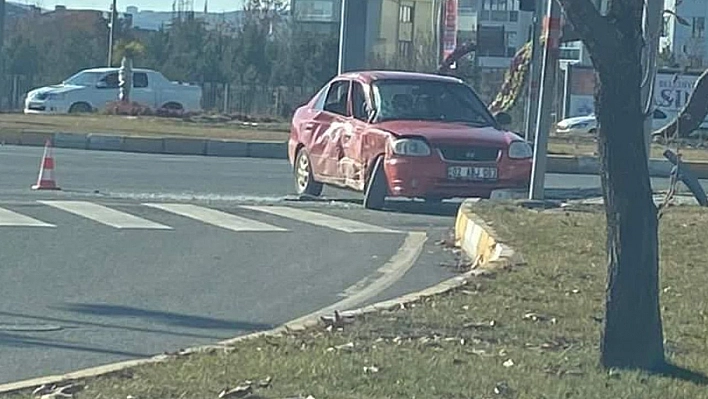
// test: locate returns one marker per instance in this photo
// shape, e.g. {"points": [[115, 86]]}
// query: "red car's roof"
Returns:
{"points": [[370, 76]]}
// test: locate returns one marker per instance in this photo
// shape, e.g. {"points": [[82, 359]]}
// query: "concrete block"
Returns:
{"points": [[35, 138], [561, 164], [588, 165], [659, 168], [101, 142], [508, 194], [10, 137], [71, 140], [185, 146], [226, 148], [142, 144], [699, 169], [273, 150]]}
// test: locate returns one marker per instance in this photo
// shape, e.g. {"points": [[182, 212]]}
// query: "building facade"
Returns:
{"points": [[498, 28], [687, 41], [321, 16], [408, 32]]}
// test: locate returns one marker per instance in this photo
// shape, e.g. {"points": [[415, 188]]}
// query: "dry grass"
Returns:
{"points": [[448, 347], [144, 126], [587, 146]]}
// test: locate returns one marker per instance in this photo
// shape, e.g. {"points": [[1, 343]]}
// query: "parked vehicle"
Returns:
{"points": [[92, 89], [404, 134], [587, 124]]}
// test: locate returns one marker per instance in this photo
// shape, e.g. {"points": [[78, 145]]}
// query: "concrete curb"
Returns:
{"points": [[494, 255], [586, 165], [480, 242], [565, 164]]}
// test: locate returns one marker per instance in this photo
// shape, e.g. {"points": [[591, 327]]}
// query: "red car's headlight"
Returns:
{"points": [[410, 147], [520, 150]]}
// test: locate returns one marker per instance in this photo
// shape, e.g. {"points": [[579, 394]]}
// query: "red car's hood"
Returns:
{"points": [[447, 132]]}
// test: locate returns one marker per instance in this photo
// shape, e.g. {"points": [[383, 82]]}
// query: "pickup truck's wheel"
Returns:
{"points": [[376, 187], [79, 108], [304, 178], [173, 106]]}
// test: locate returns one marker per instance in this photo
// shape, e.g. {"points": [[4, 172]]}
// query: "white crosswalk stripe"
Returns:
{"points": [[122, 220], [216, 218], [320, 219], [9, 218], [105, 215]]}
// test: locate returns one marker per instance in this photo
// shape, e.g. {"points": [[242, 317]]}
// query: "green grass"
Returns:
{"points": [[448, 347]]}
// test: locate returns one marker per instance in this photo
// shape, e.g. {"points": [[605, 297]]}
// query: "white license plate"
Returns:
{"points": [[472, 173]]}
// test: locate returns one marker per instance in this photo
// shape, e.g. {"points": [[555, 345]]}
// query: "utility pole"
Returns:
{"points": [[652, 21], [343, 28], [111, 35], [551, 33], [3, 73], [534, 73]]}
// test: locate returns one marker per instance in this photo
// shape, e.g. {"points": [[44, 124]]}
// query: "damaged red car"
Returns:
{"points": [[404, 134]]}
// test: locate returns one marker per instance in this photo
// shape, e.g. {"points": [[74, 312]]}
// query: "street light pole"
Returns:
{"points": [[534, 73], [551, 33], [111, 35], [653, 13], [342, 36]]}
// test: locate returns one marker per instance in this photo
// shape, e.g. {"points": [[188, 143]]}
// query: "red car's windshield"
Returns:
{"points": [[429, 100]]}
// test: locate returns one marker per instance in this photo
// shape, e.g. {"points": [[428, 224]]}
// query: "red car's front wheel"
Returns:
{"points": [[376, 187]]}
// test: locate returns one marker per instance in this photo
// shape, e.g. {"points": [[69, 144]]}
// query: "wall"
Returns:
{"points": [[391, 29], [670, 95], [688, 45]]}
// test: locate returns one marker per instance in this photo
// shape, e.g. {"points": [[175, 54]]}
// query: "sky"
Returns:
{"points": [[154, 5]]}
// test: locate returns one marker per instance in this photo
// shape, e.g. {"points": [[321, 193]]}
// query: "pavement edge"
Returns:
{"points": [[472, 236], [564, 164]]}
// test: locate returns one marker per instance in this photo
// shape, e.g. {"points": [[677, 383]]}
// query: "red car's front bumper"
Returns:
{"points": [[427, 177]]}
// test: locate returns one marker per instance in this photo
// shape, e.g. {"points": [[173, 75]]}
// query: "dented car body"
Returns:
{"points": [[404, 134]]}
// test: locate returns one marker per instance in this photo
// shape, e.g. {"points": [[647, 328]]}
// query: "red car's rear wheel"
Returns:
{"points": [[304, 178]]}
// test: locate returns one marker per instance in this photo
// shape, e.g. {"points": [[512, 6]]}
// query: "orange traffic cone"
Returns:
{"points": [[46, 181]]}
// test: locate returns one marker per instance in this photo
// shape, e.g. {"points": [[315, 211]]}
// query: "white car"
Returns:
{"points": [[91, 89], [587, 124]]}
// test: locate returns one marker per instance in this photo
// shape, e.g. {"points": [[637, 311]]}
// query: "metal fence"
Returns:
{"points": [[279, 101], [14, 88], [254, 100]]}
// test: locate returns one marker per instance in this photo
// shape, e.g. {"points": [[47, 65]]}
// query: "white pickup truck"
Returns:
{"points": [[92, 89]]}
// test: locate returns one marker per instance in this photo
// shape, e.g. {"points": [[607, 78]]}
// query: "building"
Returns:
{"points": [[401, 33], [685, 36], [498, 28], [321, 16]]}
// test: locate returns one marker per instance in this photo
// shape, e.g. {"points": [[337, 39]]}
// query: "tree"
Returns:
{"points": [[632, 334]]}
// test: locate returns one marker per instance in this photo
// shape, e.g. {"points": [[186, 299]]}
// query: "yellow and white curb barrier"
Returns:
{"points": [[479, 241]]}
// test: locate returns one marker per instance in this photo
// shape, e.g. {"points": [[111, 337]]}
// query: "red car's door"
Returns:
{"points": [[325, 129], [351, 165]]}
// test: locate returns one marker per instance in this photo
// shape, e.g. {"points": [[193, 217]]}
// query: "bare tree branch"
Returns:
{"points": [[459, 52], [692, 114]]}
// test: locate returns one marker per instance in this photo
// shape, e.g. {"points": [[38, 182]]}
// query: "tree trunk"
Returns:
{"points": [[632, 335]]}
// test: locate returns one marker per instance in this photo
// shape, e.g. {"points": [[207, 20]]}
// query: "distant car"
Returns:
{"points": [[587, 124], [402, 134], [92, 89]]}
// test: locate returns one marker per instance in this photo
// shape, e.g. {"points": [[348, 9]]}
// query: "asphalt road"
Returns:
{"points": [[94, 274], [115, 266]]}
